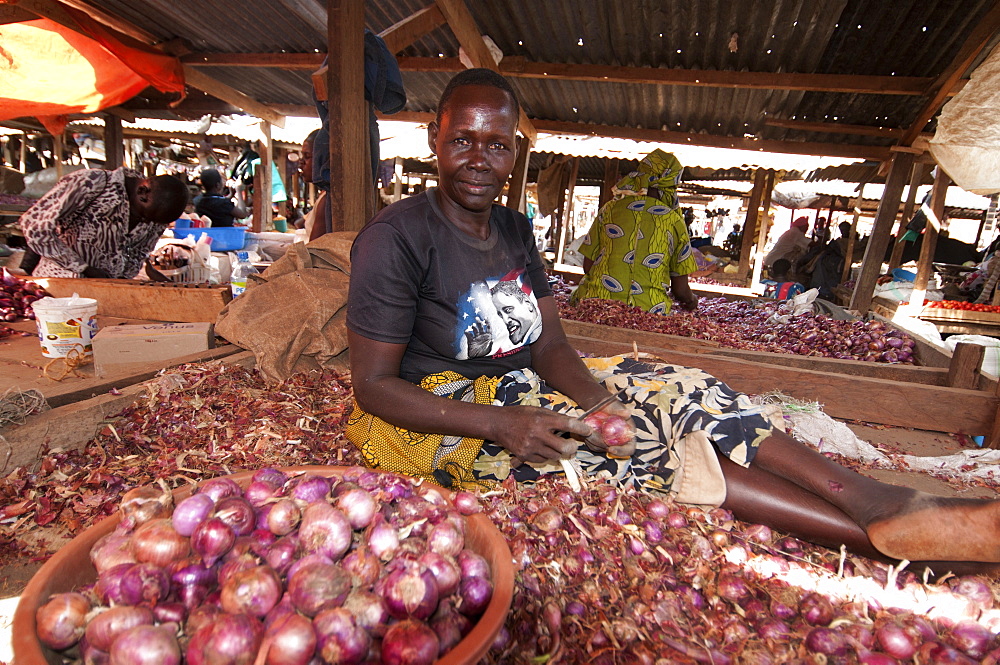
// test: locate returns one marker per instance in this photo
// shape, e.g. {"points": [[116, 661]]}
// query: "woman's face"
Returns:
{"points": [[475, 147], [306, 161]]}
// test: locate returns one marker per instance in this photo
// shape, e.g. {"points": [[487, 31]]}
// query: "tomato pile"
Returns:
{"points": [[962, 305]]}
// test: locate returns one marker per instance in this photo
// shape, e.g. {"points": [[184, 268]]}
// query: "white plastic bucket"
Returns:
{"points": [[65, 325]]}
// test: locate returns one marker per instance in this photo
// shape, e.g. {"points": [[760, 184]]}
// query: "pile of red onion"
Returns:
{"points": [[742, 325], [293, 570], [610, 575], [16, 296]]}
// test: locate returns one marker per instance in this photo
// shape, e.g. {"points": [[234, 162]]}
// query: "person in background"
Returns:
{"points": [[792, 244], [422, 272], [216, 203], [780, 287], [315, 219], [98, 223], [638, 243]]}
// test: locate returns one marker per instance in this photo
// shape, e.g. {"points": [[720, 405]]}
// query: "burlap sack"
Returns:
{"points": [[293, 316]]}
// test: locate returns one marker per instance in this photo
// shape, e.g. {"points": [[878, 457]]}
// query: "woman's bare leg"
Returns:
{"points": [[898, 522]]}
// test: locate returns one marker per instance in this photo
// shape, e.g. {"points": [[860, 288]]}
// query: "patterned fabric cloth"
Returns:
{"points": [[682, 416], [84, 221], [395, 449], [781, 290], [638, 242]]}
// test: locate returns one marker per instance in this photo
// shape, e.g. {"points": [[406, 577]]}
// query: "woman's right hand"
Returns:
{"points": [[532, 434]]}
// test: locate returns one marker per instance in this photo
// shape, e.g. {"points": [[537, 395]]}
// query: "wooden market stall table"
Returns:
{"points": [[948, 321], [80, 401]]}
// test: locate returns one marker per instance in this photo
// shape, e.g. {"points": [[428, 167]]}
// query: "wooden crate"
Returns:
{"points": [[949, 321], [149, 301]]}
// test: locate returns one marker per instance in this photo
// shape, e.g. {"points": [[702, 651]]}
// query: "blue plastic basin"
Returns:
{"points": [[224, 239]]}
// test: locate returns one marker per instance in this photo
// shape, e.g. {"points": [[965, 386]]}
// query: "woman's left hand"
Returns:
{"points": [[596, 441]]}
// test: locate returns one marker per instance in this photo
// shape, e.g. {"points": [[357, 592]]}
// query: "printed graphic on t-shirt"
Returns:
{"points": [[497, 317]]}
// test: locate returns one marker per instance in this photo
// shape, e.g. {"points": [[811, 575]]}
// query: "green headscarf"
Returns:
{"points": [[657, 169]]}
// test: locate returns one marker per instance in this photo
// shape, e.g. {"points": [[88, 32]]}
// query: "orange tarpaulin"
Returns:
{"points": [[48, 70]]}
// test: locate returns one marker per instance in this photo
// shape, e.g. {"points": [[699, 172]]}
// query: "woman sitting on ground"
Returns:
{"points": [[463, 375]]}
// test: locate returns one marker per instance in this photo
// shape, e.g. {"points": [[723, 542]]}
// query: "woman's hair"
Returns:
{"points": [[312, 136], [210, 179], [478, 76], [170, 195]]}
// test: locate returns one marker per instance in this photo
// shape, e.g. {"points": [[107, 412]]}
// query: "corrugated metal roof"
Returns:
{"points": [[901, 38]]}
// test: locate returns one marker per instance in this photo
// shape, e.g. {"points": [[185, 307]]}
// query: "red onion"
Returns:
{"points": [[108, 588], [211, 539], [450, 627], [446, 571], [258, 493], [445, 539], [364, 567], [466, 503], [307, 559], [261, 541], [325, 530], [61, 621], [144, 582], [282, 554], [282, 517], [157, 542], [970, 638], [358, 507], [317, 586], [230, 639], [732, 587], [894, 640], [652, 531], [774, 629], [410, 592], [409, 643], [220, 488], [192, 584], [191, 512], [200, 617], [109, 624], [369, 610], [111, 550], [339, 638], [816, 609], [826, 641], [310, 488], [146, 645], [476, 593], [615, 430], [548, 519], [270, 476], [473, 564], [383, 539], [252, 592], [142, 504], [237, 513], [230, 567], [975, 589], [291, 640], [866, 657], [677, 520], [170, 613]]}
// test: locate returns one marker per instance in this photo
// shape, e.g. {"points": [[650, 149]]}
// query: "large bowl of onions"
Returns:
{"points": [[278, 566]]}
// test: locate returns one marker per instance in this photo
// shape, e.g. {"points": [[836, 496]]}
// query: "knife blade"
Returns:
{"points": [[603, 403]]}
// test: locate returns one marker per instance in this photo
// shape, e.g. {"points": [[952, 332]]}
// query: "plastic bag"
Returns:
{"points": [[796, 306]]}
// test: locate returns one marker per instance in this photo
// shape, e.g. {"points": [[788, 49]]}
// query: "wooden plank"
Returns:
{"points": [[114, 142], [469, 35], [980, 36], [403, 33], [916, 176], [611, 178], [149, 301], [927, 247], [835, 128], [871, 267], [870, 400], [72, 425], [750, 228], [292, 61], [350, 200], [198, 79], [263, 193], [965, 363], [518, 66], [763, 223], [518, 182]]}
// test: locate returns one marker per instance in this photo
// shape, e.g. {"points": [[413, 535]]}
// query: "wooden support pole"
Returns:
{"points": [[350, 198], [916, 177], [114, 142], [266, 179], [24, 152], [927, 247], [567, 208], [518, 183], [611, 178], [979, 231], [966, 359], [256, 209], [993, 441], [397, 179], [871, 266], [765, 205], [750, 224], [849, 252], [57, 153]]}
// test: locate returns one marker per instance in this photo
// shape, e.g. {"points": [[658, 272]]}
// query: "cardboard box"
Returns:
{"points": [[120, 349]]}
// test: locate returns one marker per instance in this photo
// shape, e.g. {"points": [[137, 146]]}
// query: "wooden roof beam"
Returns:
{"points": [[403, 33], [834, 128], [470, 37], [873, 153], [518, 67], [978, 39]]}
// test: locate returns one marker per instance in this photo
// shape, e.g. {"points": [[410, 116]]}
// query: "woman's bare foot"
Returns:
{"points": [[938, 528]]}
